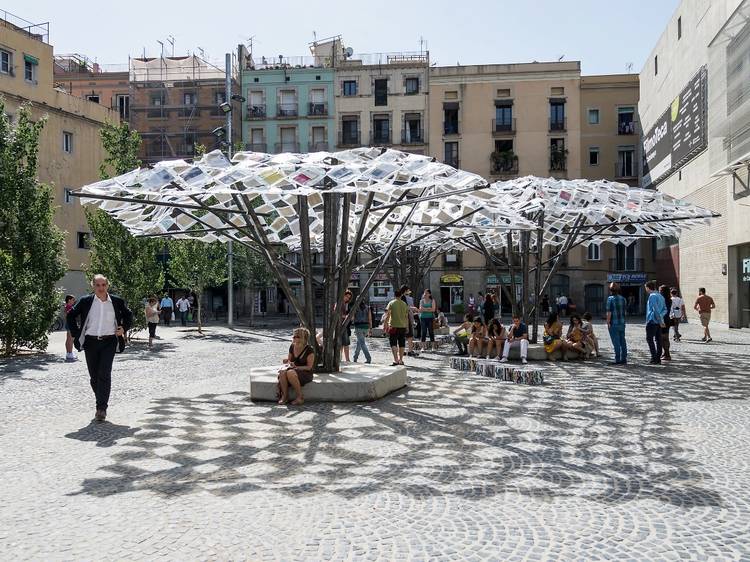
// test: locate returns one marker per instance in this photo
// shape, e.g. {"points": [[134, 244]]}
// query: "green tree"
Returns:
{"points": [[31, 246], [195, 266], [250, 271], [129, 263]]}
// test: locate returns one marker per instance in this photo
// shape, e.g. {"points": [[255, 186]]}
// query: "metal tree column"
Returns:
{"points": [[230, 254], [330, 243]]}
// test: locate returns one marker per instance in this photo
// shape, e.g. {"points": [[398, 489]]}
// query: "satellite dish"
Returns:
{"points": [[348, 52]]}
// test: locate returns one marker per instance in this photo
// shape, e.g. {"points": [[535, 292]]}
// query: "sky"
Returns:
{"points": [[605, 35]]}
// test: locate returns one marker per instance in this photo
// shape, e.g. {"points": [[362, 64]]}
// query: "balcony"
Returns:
{"points": [[450, 129], [380, 138], [503, 127], [624, 171], [558, 124], [349, 138], [255, 146], [319, 147], [626, 127], [502, 164], [256, 111], [317, 109], [558, 162], [286, 110], [626, 264], [410, 136], [286, 147]]}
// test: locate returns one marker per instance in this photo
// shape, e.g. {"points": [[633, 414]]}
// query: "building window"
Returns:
{"points": [[287, 103], [6, 62], [83, 240], [123, 105], [288, 139], [381, 91], [412, 86], [189, 98], [220, 96], [381, 130], [626, 120], [412, 129], [67, 142], [93, 97], [29, 71], [67, 197], [679, 28], [381, 289], [593, 116], [450, 118], [319, 139], [349, 88], [558, 155], [594, 252], [350, 131], [157, 101], [656, 65], [451, 154], [625, 162], [594, 156], [557, 115]]}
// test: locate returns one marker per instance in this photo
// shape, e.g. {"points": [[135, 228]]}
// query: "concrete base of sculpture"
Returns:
{"points": [[354, 383]]}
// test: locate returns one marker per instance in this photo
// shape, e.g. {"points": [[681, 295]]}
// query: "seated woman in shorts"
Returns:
{"points": [[496, 336], [575, 338], [552, 338], [478, 336], [299, 369]]}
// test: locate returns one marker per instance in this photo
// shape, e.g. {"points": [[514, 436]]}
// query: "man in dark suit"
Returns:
{"points": [[98, 323]]}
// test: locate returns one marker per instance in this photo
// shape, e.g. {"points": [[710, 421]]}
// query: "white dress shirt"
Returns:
{"points": [[101, 319]]}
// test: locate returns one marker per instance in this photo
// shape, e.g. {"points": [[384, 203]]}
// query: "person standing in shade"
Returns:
{"points": [[97, 322], [70, 357], [677, 312], [183, 307], [427, 310], [616, 307], [395, 322], [664, 292], [704, 305], [152, 319], [362, 328], [563, 305], [518, 336], [656, 309], [166, 306], [488, 311], [346, 330], [545, 305], [409, 300]]}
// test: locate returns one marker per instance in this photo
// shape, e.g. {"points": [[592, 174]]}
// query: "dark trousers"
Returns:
{"points": [[99, 357], [166, 315], [183, 317], [653, 338], [427, 329]]}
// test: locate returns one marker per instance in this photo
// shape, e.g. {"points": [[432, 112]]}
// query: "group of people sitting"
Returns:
{"points": [[579, 337]]}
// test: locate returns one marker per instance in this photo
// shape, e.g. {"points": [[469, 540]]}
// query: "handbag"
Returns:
{"points": [[173, 317], [190, 316]]}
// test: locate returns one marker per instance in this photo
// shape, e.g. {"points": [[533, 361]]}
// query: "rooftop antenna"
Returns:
{"points": [[250, 43], [561, 58], [315, 37], [629, 67], [162, 48], [202, 52], [170, 40], [421, 44]]}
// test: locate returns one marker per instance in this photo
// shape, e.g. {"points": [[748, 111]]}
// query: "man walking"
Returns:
{"points": [[677, 313], [96, 322], [704, 305], [394, 323], [166, 306], [616, 305], [183, 306], [656, 309]]}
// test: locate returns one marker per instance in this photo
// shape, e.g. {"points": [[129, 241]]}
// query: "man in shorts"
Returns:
{"points": [[704, 305], [395, 321]]}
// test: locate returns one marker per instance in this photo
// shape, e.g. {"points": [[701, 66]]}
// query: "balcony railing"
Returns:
{"points": [[409, 136], [256, 111], [626, 264], [504, 166], [319, 146], [287, 110], [503, 127], [317, 109], [626, 128], [558, 163], [286, 147], [189, 111], [450, 128], [380, 138], [558, 124], [349, 138], [256, 146], [158, 113], [623, 170]]}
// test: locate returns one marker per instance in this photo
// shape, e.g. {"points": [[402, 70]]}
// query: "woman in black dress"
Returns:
{"points": [[299, 369]]}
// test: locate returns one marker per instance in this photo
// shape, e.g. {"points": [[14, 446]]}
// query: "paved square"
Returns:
{"points": [[599, 463]]}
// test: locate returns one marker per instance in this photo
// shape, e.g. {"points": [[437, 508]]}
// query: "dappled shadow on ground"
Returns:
{"points": [[15, 367], [104, 434], [239, 338], [608, 435]]}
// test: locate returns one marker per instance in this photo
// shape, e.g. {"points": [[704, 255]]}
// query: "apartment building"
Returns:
{"points": [[289, 101], [106, 85], [175, 106], [695, 113], [382, 100], [70, 149]]}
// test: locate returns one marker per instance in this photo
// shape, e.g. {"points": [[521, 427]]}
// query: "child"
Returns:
{"points": [[588, 330], [461, 335]]}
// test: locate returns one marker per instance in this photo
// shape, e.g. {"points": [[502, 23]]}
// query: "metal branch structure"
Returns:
{"points": [[380, 202]]}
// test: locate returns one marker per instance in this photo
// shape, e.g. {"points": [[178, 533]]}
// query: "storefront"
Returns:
{"points": [[452, 294], [739, 286], [631, 287], [493, 284]]}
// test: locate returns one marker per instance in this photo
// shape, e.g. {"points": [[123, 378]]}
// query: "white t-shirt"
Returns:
{"points": [[183, 305], [676, 311], [101, 318]]}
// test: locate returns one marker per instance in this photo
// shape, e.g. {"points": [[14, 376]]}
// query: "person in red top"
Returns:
{"points": [[70, 357], [704, 305]]}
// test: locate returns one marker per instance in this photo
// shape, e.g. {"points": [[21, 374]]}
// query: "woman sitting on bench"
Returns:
{"points": [[496, 336], [576, 336], [478, 336], [299, 371], [552, 338]]}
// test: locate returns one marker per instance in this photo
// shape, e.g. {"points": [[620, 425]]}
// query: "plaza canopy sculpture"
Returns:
{"points": [[377, 200]]}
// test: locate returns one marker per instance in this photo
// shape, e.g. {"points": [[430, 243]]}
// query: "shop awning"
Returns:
{"points": [[451, 279]]}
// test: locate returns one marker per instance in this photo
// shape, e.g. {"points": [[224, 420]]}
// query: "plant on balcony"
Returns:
{"points": [[503, 161], [558, 157]]}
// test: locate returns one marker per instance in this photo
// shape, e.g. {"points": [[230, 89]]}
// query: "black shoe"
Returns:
{"points": [[101, 415], [655, 362]]}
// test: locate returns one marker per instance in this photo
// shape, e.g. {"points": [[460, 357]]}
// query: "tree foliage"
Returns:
{"points": [[31, 246], [129, 263], [196, 265], [250, 271]]}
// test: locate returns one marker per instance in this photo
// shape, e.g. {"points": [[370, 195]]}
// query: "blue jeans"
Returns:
{"points": [[617, 335], [361, 345], [427, 328], [653, 338]]}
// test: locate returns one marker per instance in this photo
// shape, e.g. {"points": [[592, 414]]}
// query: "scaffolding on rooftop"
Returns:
{"points": [[38, 31]]}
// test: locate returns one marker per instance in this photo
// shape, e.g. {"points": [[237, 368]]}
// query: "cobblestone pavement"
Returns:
{"points": [[599, 463]]}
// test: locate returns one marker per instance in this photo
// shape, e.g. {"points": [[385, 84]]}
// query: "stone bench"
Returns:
{"points": [[493, 369], [354, 383], [537, 353]]}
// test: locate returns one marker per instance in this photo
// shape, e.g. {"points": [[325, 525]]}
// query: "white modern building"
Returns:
{"points": [[695, 114]]}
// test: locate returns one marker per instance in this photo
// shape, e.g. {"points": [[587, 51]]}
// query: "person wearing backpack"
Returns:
{"points": [[362, 328]]}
